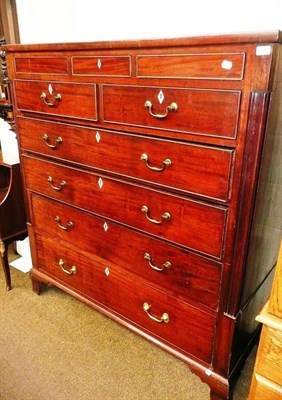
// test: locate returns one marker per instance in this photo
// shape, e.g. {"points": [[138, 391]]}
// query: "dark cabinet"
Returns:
{"points": [[12, 210]]}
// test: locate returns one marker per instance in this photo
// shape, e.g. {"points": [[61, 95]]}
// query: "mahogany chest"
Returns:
{"points": [[153, 182]]}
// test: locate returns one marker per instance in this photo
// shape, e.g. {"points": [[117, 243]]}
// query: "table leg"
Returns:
{"points": [[5, 264]]}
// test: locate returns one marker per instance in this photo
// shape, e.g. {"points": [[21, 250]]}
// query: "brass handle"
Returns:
{"points": [[58, 188], [166, 163], [71, 271], [172, 107], [56, 99], [59, 140], [167, 264], [65, 228], [164, 318], [165, 216]]}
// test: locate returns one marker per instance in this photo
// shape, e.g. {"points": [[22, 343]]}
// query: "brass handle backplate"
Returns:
{"points": [[58, 188], [64, 228], [56, 99], [167, 264], [172, 107], [164, 318], [71, 271], [59, 140], [145, 210], [166, 163]]}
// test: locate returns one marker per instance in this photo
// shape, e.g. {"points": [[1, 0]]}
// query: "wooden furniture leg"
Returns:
{"points": [[5, 264], [216, 396], [15, 247], [36, 285]]}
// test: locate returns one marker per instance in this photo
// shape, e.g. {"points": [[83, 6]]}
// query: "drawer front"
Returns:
{"points": [[179, 272], [54, 98], [264, 389], [270, 360], [127, 296], [227, 66], [114, 66], [193, 224], [42, 65], [198, 111], [200, 170]]}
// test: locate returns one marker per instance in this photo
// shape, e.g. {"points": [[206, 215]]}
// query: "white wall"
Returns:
{"points": [[42, 21]]}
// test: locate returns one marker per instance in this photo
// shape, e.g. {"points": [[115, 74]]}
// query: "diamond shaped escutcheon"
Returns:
{"points": [[50, 88], [100, 183], [161, 96], [98, 137]]}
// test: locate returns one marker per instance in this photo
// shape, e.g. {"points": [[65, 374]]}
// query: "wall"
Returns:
{"points": [[89, 20]]}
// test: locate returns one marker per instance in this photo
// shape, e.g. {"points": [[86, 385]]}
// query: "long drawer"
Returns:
{"points": [[198, 111], [202, 170], [180, 273], [189, 223], [76, 100], [130, 298]]}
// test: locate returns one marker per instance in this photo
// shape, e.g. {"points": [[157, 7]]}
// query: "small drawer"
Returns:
{"points": [[270, 360], [130, 298], [42, 65], [182, 273], [223, 66], [193, 224], [73, 100], [195, 111], [201, 170], [113, 66]]}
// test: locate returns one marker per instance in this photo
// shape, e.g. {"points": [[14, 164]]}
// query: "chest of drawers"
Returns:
{"points": [[153, 179], [267, 375]]}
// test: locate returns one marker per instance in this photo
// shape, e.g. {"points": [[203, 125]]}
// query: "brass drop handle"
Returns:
{"points": [[167, 264], [64, 228], [58, 188], [71, 271], [164, 318], [165, 216], [59, 140], [56, 99], [172, 107], [166, 163]]}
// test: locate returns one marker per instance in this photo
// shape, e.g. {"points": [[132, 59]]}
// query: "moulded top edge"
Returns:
{"points": [[274, 36]]}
